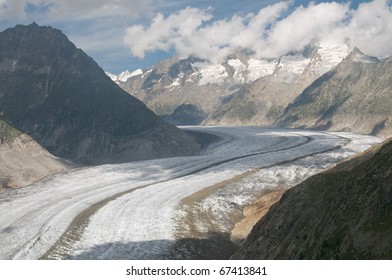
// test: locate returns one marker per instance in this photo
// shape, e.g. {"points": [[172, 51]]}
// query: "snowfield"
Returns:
{"points": [[132, 210]]}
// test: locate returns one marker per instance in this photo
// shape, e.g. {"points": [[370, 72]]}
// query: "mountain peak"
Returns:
{"points": [[356, 50], [64, 100], [32, 25], [357, 55], [38, 47]]}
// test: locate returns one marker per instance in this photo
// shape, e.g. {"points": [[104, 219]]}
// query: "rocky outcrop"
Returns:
{"points": [[22, 160], [55, 93], [343, 213]]}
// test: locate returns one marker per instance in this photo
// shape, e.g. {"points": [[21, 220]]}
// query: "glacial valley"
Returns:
{"points": [[140, 210]]}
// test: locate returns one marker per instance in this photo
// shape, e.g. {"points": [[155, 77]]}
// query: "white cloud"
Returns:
{"points": [[187, 32], [253, 34], [369, 28], [275, 30], [177, 29], [304, 26]]}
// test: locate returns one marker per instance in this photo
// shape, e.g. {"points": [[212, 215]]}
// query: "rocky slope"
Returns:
{"points": [[22, 160], [54, 92], [343, 213], [356, 95], [242, 90]]}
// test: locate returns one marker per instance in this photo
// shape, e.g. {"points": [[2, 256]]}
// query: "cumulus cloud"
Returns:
{"points": [[369, 28], [304, 26], [165, 32], [274, 31], [191, 32]]}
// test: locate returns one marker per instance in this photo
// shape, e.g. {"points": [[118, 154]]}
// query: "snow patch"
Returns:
{"points": [[176, 83], [290, 67], [331, 55], [239, 69], [210, 73], [258, 68], [125, 75]]}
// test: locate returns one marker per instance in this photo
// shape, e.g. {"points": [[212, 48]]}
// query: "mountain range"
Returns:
{"points": [[326, 86], [342, 213]]}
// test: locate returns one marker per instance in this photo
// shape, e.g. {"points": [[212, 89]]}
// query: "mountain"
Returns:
{"points": [[55, 93], [22, 160], [356, 95], [325, 87], [343, 213], [124, 76], [244, 89]]}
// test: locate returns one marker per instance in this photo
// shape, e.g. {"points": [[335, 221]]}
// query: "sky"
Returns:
{"points": [[132, 34]]}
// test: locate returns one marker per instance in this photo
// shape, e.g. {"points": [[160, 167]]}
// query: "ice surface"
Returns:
{"points": [[331, 55], [140, 224], [258, 68], [210, 73]]}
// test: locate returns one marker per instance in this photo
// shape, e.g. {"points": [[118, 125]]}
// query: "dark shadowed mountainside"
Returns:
{"points": [[55, 93]]}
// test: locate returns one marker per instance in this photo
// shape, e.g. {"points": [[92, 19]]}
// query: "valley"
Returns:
{"points": [[137, 210]]}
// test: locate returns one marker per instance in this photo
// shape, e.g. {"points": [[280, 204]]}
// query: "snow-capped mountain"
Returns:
{"points": [[124, 76], [248, 68], [246, 89], [356, 95], [241, 90]]}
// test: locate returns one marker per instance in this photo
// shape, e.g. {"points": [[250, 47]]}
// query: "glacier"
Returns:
{"points": [[131, 210]]}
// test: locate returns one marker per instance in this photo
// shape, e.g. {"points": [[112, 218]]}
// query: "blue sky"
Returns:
{"points": [[131, 34]]}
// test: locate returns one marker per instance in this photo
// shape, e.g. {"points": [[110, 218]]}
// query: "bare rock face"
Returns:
{"points": [[22, 160], [59, 96], [343, 213]]}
